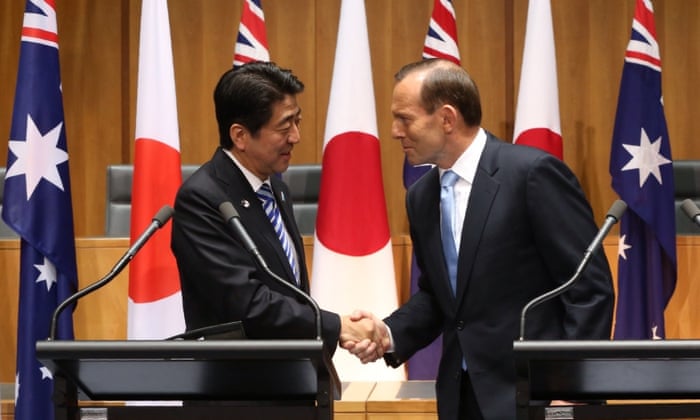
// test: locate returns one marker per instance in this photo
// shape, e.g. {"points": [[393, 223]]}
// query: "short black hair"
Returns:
{"points": [[245, 95]]}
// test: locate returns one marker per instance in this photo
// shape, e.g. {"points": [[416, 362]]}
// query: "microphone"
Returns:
{"points": [[231, 216], [691, 210], [611, 218], [160, 219]]}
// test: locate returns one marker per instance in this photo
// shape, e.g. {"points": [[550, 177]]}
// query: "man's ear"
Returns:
{"points": [[239, 136], [448, 114]]}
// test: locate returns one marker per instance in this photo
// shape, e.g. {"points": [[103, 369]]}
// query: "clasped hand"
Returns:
{"points": [[364, 335]]}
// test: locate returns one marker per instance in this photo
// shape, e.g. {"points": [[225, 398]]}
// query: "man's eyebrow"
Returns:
{"points": [[289, 117]]}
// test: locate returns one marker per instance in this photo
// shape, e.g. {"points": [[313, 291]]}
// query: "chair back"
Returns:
{"points": [[304, 183], [686, 174], [118, 208]]}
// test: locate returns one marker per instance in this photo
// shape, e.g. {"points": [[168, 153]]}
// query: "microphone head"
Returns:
{"points": [[163, 215], [690, 208], [617, 209], [227, 210]]}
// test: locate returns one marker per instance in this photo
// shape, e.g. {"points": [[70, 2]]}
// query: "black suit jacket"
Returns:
{"points": [[526, 229], [220, 280]]}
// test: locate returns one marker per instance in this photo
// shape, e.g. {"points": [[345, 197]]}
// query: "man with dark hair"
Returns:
{"points": [[258, 118], [511, 224]]}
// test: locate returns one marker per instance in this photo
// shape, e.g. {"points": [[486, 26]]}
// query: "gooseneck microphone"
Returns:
{"points": [[231, 216], [613, 216], [691, 210], [160, 219]]}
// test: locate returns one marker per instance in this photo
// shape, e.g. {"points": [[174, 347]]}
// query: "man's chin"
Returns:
{"points": [[413, 160], [284, 162]]}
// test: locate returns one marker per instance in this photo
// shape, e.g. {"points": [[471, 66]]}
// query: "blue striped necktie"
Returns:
{"points": [[273, 213], [447, 210]]}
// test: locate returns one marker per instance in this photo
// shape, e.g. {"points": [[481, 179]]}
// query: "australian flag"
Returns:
{"points": [[642, 175], [440, 42], [37, 205]]}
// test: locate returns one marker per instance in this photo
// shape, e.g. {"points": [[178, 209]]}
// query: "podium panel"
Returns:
{"points": [[221, 376], [414, 400], [593, 372]]}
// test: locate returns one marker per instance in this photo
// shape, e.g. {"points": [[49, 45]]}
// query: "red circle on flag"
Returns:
{"points": [[542, 138], [153, 271], [352, 217]]}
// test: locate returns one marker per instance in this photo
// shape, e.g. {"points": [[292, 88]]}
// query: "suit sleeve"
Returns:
{"points": [[564, 227]]}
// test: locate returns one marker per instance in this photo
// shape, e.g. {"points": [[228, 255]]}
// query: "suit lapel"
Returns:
{"points": [[253, 217], [484, 190]]}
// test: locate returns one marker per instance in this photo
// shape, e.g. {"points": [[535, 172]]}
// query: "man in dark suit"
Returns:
{"points": [[521, 227], [258, 119]]}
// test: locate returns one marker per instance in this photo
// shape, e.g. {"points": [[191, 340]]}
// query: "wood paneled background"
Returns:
{"points": [[99, 55]]}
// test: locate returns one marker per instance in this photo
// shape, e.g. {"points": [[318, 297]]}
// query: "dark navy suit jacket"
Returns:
{"points": [[221, 281], [526, 229]]}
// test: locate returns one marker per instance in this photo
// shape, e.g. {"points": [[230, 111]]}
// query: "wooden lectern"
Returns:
{"points": [[596, 371], [245, 379]]}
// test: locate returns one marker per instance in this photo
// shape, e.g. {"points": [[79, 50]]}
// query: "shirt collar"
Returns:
{"points": [[253, 180], [466, 164]]}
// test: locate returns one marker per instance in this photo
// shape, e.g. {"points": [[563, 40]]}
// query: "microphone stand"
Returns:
{"points": [[230, 214], [163, 215]]}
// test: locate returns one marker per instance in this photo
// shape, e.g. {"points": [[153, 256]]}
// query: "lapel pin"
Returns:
{"points": [[245, 204]]}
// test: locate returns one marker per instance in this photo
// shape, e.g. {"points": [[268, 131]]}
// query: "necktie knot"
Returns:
{"points": [[449, 179], [265, 193], [267, 198]]}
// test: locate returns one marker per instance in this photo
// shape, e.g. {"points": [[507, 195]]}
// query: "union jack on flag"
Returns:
{"points": [[37, 205], [642, 174], [441, 40], [251, 43]]}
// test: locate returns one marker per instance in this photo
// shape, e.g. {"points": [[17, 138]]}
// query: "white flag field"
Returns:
{"points": [[155, 300], [353, 266]]}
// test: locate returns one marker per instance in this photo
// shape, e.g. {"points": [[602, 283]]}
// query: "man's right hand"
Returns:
{"points": [[364, 335]]}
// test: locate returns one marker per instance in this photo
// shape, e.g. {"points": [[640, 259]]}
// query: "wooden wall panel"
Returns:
{"points": [[482, 31], [680, 54], [99, 53], [588, 104], [91, 74], [9, 296], [203, 40], [398, 43], [292, 45], [10, 27]]}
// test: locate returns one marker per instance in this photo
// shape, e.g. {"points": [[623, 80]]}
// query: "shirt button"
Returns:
{"points": [[460, 325]]}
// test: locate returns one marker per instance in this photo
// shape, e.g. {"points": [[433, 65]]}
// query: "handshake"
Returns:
{"points": [[364, 335]]}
